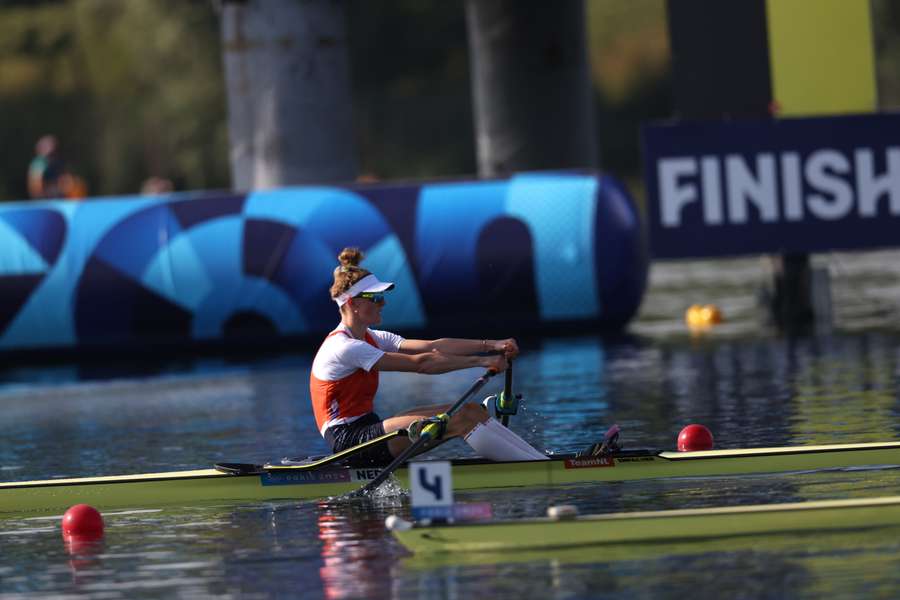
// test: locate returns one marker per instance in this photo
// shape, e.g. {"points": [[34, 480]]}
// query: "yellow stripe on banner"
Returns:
{"points": [[821, 56]]}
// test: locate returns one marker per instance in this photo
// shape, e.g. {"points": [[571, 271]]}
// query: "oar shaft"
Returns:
{"points": [[507, 394], [479, 383], [428, 434], [339, 456]]}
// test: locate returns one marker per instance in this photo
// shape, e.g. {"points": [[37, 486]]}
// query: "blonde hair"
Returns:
{"points": [[348, 272]]}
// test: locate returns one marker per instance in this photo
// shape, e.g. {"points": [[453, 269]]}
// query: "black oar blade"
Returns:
{"points": [[343, 456], [238, 468]]}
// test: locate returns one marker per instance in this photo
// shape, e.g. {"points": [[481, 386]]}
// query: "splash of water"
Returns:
{"points": [[389, 493]]}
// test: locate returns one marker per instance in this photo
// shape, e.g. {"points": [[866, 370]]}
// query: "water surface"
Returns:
{"points": [[749, 384]]}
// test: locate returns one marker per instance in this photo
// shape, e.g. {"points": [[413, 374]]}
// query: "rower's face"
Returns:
{"points": [[369, 309]]}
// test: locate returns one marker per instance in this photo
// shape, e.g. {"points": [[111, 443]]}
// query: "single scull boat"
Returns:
{"points": [[244, 482]]}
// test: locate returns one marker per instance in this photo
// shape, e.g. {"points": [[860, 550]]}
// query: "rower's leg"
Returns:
{"points": [[485, 435], [468, 416], [492, 440]]}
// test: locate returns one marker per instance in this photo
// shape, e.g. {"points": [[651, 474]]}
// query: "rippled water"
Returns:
{"points": [[751, 386]]}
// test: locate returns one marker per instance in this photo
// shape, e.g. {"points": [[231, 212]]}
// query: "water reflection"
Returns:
{"points": [[848, 390], [751, 387], [564, 388], [773, 392], [85, 556], [355, 552], [788, 566]]}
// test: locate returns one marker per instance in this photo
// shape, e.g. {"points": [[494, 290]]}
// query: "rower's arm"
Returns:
{"points": [[460, 347], [435, 362]]}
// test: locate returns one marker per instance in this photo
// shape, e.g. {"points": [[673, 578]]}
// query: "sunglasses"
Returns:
{"points": [[376, 298]]}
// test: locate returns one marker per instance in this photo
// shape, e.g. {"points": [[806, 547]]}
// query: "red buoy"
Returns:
{"points": [[695, 437], [82, 521]]}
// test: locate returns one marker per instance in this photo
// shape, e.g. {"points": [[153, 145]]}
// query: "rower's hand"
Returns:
{"points": [[508, 348], [497, 363]]}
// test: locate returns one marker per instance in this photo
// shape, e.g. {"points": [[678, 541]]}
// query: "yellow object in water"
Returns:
{"points": [[702, 316]]}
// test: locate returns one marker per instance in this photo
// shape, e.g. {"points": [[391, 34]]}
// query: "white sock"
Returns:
{"points": [[496, 442]]}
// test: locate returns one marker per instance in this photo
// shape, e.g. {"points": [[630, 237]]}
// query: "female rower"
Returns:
{"points": [[344, 376]]}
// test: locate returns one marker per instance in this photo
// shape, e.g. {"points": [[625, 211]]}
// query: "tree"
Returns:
{"points": [[531, 82], [289, 101]]}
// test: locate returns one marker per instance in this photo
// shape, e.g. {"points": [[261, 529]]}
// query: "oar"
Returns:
{"points": [[506, 398], [429, 432], [508, 403], [254, 469], [337, 456]]}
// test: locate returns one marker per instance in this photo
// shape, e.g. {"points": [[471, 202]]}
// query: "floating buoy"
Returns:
{"points": [[395, 523], [702, 316], [562, 512], [695, 437], [82, 521]]}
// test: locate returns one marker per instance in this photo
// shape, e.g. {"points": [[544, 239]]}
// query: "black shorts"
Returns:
{"points": [[363, 429]]}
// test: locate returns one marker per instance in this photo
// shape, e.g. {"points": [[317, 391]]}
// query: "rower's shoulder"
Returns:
{"points": [[386, 340]]}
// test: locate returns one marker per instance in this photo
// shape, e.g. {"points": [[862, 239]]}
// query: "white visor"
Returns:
{"points": [[369, 283]]}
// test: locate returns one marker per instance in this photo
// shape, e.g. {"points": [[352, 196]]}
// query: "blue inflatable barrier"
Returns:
{"points": [[530, 252]]}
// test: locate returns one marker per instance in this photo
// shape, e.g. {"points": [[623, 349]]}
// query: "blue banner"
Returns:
{"points": [[501, 257], [719, 188]]}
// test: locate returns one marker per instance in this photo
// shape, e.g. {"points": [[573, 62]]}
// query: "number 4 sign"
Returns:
{"points": [[432, 495], [430, 484]]}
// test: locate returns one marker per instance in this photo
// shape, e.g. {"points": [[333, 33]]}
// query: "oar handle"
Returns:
{"points": [[427, 434], [508, 402]]}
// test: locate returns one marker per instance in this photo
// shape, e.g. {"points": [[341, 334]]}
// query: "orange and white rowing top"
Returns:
{"points": [[342, 384]]}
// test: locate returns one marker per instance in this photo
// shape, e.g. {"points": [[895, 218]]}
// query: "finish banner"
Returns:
{"points": [[719, 188]]}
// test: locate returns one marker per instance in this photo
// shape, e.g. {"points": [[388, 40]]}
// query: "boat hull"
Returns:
{"points": [[295, 482], [657, 526]]}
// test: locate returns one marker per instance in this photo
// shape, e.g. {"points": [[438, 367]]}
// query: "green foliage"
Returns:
{"points": [[134, 88], [628, 45], [154, 74], [412, 96]]}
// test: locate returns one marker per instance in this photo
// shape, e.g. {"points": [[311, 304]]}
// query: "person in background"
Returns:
{"points": [[344, 376], [48, 176], [155, 186], [46, 169]]}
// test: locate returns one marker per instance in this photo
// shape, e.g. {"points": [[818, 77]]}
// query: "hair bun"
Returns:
{"points": [[350, 257]]}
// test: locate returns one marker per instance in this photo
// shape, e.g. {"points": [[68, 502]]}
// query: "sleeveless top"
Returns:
{"points": [[342, 383]]}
